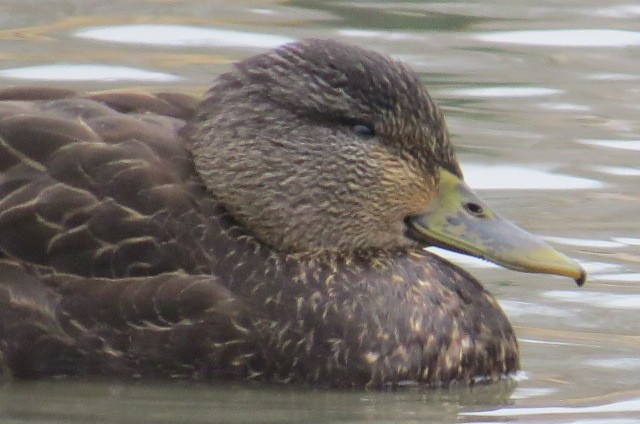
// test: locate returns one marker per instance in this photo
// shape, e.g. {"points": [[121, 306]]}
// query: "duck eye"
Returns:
{"points": [[363, 130]]}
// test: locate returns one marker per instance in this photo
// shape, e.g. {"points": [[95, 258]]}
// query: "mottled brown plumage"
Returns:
{"points": [[264, 239]]}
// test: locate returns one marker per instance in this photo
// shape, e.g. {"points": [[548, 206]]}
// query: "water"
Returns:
{"points": [[542, 101]]}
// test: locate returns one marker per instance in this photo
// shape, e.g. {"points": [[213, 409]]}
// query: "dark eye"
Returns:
{"points": [[363, 130]]}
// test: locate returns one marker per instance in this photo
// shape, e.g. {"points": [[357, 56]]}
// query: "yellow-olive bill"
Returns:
{"points": [[459, 220]]}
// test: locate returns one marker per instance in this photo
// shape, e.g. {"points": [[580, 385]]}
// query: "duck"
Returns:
{"points": [[273, 229]]}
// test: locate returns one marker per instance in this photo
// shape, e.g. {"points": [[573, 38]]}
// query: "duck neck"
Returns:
{"points": [[245, 264]]}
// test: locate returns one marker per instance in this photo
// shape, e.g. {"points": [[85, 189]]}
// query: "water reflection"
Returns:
{"points": [[86, 72], [552, 343], [623, 407], [518, 308], [630, 241], [614, 77], [564, 107], [632, 277], [502, 177], [502, 91], [617, 363], [462, 260], [599, 299], [619, 11], [565, 38], [529, 392], [619, 171], [614, 144], [181, 35], [183, 402]]}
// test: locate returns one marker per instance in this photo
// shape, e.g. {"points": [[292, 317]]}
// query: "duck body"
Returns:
{"points": [[119, 256]]}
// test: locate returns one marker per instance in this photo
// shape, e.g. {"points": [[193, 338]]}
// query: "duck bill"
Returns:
{"points": [[460, 221]]}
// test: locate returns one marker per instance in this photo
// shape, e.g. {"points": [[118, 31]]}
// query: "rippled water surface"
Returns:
{"points": [[543, 101]]}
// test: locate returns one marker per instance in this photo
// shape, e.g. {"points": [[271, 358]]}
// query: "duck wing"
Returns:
{"points": [[168, 324], [105, 247], [100, 184]]}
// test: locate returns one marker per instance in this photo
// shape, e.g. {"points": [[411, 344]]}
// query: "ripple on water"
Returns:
{"points": [[631, 277], [553, 343], [502, 91], [598, 299], [615, 363], [568, 107], [632, 405], [529, 392], [613, 76], [565, 37], [572, 421], [461, 259], [181, 35], [569, 241], [505, 177], [625, 11], [593, 267], [85, 72], [516, 308], [619, 171], [385, 35], [630, 241], [613, 144]]}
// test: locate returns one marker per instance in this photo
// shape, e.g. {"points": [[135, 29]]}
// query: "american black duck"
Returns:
{"points": [[273, 230]]}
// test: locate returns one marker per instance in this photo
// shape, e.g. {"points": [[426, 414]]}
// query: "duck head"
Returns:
{"points": [[320, 145]]}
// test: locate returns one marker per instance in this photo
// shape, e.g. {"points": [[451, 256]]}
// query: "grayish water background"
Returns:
{"points": [[546, 123]]}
